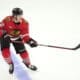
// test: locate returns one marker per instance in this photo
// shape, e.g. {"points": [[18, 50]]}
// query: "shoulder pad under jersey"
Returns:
{"points": [[25, 20], [7, 19]]}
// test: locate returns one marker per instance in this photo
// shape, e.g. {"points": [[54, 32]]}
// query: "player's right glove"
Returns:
{"points": [[32, 43]]}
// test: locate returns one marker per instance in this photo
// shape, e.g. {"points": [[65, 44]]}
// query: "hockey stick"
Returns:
{"points": [[75, 48], [59, 47]]}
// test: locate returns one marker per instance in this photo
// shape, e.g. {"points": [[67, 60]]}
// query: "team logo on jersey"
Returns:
{"points": [[15, 32]]}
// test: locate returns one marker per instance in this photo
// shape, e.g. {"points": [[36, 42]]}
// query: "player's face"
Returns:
{"points": [[17, 18]]}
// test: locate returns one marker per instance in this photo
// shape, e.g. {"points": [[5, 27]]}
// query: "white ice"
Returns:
{"points": [[54, 22]]}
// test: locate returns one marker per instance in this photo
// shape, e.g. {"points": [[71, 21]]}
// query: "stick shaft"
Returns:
{"points": [[55, 47]]}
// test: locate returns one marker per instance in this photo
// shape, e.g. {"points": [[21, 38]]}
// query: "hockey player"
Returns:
{"points": [[15, 28]]}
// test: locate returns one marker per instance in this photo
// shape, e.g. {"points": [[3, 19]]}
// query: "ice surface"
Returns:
{"points": [[19, 69]]}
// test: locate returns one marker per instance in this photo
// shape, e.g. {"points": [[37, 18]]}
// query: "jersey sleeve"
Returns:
{"points": [[1, 29], [25, 32], [2, 25]]}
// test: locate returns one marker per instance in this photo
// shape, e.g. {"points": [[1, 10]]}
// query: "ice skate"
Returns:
{"points": [[32, 67], [11, 68]]}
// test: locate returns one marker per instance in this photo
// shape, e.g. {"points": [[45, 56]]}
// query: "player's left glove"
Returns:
{"points": [[32, 43]]}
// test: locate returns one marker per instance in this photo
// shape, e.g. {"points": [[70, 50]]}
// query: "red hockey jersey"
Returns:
{"points": [[16, 30], [1, 32]]}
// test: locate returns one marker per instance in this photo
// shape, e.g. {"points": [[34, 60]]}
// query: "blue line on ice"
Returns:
{"points": [[19, 70]]}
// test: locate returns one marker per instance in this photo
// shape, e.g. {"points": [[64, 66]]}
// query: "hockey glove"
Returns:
{"points": [[32, 43]]}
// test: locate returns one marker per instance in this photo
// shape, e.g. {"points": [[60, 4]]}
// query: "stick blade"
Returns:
{"points": [[77, 47]]}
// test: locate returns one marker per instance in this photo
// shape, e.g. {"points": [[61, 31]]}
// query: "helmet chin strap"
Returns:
{"points": [[17, 21]]}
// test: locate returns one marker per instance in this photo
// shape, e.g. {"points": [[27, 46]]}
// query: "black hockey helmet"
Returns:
{"points": [[17, 11]]}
